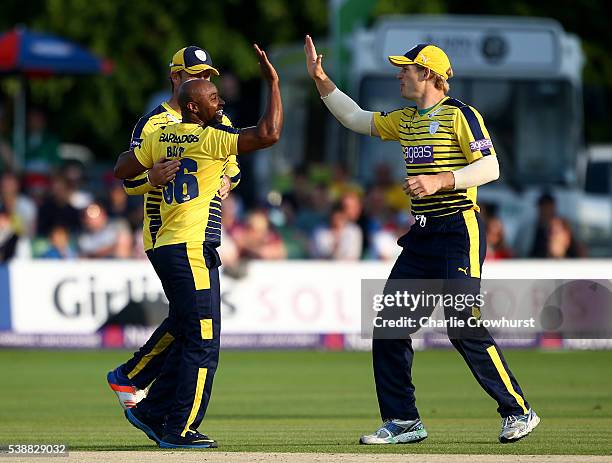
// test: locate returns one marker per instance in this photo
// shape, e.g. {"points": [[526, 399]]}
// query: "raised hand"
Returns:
{"points": [[267, 70], [313, 61]]}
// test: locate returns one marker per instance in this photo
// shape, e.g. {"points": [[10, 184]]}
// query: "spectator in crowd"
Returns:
{"points": [[561, 241], [8, 236], [282, 216], [496, 242], [138, 251], [547, 211], [378, 212], [352, 206], [228, 250], [341, 240], [36, 186], [383, 240], [314, 212], [41, 145], [299, 195], [21, 209], [11, 244], [74, 173], [341, 183], [394, 195], [117, 203], [60, 246], [257, 239], [102, 238], [230, 219], [57, 210]]}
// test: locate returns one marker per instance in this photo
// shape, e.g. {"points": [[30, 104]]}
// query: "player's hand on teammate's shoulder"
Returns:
{"points": [[163, 171], [267, 70]]}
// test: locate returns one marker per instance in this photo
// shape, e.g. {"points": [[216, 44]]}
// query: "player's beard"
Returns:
{"points": [[218, 115]]}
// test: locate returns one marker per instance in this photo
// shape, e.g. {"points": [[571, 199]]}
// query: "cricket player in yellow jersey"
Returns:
{"points": [[130, 379], [448, 154], [184, 253]]}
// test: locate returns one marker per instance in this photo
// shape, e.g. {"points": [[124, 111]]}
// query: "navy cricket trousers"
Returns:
{"points": [[146, 363], [445, 248], [181, 393]]}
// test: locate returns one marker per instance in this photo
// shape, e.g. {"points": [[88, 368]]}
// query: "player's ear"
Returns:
{"points": [[426, 73], [192, 106]]}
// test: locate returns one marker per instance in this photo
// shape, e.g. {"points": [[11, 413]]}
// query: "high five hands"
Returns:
{"points": [[267, 70], [313, 61]]}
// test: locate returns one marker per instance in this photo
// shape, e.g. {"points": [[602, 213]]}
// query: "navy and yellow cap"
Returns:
{"points": [[192, 60], [426, 55]]}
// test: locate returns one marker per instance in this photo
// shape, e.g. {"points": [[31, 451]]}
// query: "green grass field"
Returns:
{"points": [[314, 402]]}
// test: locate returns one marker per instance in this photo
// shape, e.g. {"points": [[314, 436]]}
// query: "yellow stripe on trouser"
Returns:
{"points": [[474, 236], [195, 254], [197, 400], [492, 351], [161, 345]]}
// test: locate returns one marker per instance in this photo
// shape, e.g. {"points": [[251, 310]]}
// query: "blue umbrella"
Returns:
{"points": [[32, 54]]}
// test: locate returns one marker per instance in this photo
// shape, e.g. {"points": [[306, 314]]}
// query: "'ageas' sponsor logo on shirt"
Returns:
{"points": [[479, 145], [420, 154]]}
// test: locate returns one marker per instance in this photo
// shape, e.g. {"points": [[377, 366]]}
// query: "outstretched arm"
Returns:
{"points": [[268, 129], [348, 113]]}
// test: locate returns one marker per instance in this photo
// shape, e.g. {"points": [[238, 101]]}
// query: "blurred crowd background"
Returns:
{"points": [[66, 209]]}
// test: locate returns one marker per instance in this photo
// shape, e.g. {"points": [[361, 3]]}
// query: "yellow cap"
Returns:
{"points": [[192, 60], [426, 55]]}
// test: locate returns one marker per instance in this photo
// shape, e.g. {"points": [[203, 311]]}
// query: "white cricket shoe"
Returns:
{"points": [[516, 427], [396, 432]]}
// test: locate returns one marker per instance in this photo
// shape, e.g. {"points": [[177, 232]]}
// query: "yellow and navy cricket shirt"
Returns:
{"points": [[190, 209], [449, 136], [162, 116]]}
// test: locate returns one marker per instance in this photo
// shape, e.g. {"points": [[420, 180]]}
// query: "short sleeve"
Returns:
{"points": [[472, 134], [144, 152], [388, 124], [225, 141]]}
